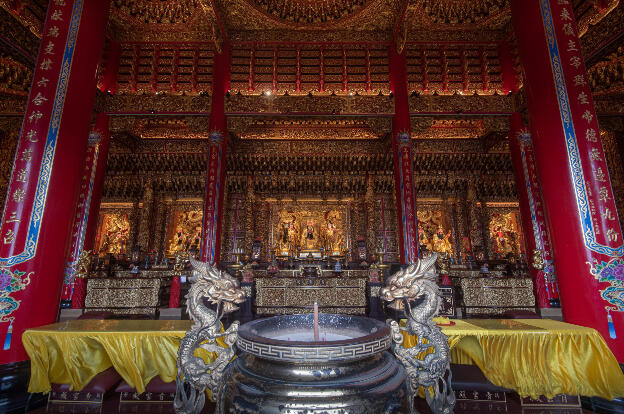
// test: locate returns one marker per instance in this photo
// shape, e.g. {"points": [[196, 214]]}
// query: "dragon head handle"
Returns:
{"points": [[217, 286], [413, 282]]}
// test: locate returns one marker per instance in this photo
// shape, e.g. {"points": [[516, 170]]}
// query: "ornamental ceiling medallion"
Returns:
{"points": [[297, 18], [148, 20], [459, 14], [309, 12]]}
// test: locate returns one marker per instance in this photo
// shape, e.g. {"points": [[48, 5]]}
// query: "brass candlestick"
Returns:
{"points": [[381, 264], [238, 265]]}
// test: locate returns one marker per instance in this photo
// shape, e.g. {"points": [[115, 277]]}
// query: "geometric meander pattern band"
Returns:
{"points": [[315, 354]]}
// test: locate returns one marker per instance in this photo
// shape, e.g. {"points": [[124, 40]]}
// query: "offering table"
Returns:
{"points": [[288, 292]]}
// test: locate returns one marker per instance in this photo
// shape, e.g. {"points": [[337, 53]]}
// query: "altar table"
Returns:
{"points": [[533, 357], [536, 357]]}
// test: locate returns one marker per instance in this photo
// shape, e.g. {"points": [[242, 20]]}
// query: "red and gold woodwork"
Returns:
{"points": [[35, 228], [87, 210], [578, 199], [402, 151], [532, 212]]}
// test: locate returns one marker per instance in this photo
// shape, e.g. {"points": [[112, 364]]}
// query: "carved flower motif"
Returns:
{"points": [[5, 279], [618, 272]]}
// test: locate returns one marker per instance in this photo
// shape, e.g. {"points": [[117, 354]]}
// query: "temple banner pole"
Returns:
{"points": [[403, 158], [43, 188], [215, 171], [578, 198], [532, 214], [87, 210]]}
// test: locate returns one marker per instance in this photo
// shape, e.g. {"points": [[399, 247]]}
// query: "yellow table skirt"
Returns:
{"points": [[74, 352], [533, 357], [536, 356]]}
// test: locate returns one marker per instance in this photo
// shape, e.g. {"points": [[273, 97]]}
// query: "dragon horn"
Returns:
{"points": [[198, 265], [428, 262]]}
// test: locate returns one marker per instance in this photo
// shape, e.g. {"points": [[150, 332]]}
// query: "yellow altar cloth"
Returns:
{"points": [[533, 357], [536, 356], [73, 352]]}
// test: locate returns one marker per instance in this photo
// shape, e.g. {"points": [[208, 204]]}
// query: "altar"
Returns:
{"points": [[289, 292]]}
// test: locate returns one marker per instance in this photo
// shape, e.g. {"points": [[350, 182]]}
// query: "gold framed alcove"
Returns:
{"points": [[183, 223], [309, 226], [114, 230], [505, 232]]}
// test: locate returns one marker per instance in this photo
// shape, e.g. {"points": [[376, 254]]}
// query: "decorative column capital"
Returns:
{"points": [[216, 137]]}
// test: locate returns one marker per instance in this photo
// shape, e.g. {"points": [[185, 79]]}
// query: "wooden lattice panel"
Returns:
{"points": [[446, 69], [302, 68], [165, 67]]}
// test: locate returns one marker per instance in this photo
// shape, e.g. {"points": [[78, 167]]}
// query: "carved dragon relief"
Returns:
{"points": [[194, 375], [414, 289]]}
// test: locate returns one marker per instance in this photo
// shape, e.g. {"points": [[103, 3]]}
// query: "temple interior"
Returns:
{"points": [[311, 154]]}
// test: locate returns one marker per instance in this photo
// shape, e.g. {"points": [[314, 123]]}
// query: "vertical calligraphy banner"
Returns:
{"points": [[37, 216], [215, 174], [87, 209], [585, 230], [537, 239], [213, 198], [403, 157]]}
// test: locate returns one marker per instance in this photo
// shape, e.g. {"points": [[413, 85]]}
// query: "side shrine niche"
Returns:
{"points": [[505, 234], [184, 231], [113, 233], [433, 232]]}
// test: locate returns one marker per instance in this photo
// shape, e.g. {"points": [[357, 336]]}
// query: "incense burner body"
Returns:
{"points": [[281, 369]]}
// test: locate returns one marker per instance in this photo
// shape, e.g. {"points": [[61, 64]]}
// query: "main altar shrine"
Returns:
{"points": [[311, 150]]}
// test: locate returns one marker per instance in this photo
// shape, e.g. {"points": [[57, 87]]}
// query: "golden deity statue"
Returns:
{"points": [[334, 238], [423, 240], [503, 233], [309, 237], [287, 237], [187, 234], [441, 241], [115, 232]]}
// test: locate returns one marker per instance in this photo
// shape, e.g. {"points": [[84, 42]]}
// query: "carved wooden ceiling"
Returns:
{"points": [[204, 19]]}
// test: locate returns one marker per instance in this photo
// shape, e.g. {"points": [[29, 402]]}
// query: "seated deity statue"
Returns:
{"points": [[441, 242], [178, 242], [503, 244], [309, 238]]}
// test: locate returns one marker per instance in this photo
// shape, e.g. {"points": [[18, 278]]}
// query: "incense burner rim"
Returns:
{"points": [[375, 337]]}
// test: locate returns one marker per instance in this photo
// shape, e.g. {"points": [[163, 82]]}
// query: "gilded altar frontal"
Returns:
{"points": [[176, 173]]}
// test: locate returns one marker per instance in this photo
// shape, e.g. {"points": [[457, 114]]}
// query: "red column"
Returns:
{"points": [[174, 292], [403, 159], [215, 179], [578, 199], [43, 188], [109, 78], [87, 210], [532, 212], [510, 77]]}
